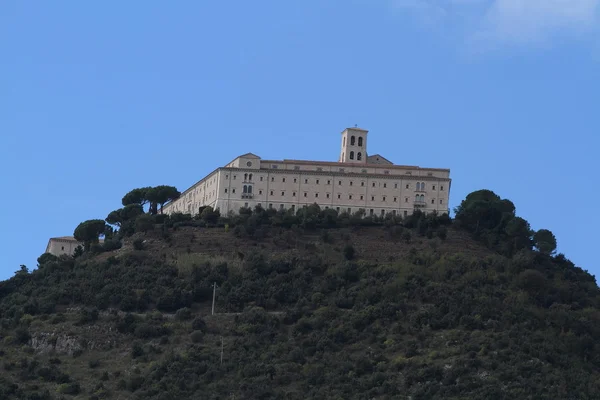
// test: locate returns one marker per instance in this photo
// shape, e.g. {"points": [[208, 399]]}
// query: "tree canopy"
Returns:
{"points": [[89, 232]]}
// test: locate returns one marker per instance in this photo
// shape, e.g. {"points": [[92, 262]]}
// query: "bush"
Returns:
{"points": [[183, 314], [349, 252], [138, 244], [198, 324], [137, 350], [196, 336], [111, 245], [72, 388]]}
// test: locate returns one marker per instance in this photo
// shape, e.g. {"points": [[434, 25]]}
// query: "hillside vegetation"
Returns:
{"points": [[311, 305]]}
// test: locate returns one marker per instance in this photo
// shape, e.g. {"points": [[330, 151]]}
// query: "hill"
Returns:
{"points": [[307, 306]]}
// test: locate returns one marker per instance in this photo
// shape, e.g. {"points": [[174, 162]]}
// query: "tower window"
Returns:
{"points": [[352, 155], [352, 140], [359, 155], [360, 143]]}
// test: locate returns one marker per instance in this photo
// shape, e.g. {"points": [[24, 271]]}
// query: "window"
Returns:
{"points": [[329, 182], [406, 199], [234, 177], [283, 193], [260, 192], [373, 184], [261, 178], [226, 176], [283, 179], [296, 167], [305, 194], [316, 194], [352, 140], [225, 190], [442, 187], [233, 190], [317, 181], [281, 206], [407, 185], [293, 194], [405, 213], [433, 187], [339, 196], [327, 195], [362, 197], [293, 207], [371, 211], [271, 193], [319, 169], [350, 197], [270, 205], [360, 142], [362, 184], [359, 156], [352, 155], [249, 188], [272, 179], [337, 209], [418, 186], [62, 247], [306, 181], [350, 183], [295, 180], [349, 210], [340, 183], [274, 166], [394, 213], [245, 177], [432, 201], [246, 205], [395, 199], [385, 185], [382, 213], [395, 186], [372, 198], [246, 189], [383, 198], [441, 201]]}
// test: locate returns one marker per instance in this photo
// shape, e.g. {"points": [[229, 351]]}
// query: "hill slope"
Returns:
{"points": [[361, 312]]}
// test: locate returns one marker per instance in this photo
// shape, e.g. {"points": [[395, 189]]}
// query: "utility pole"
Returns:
{"points": [[214, 295]]}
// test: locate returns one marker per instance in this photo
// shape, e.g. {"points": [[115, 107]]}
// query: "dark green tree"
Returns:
{"points": [[122, 215], [483, 210], [210, 216], [545, 241], [136, 196], [88, 232], [159, 195]]}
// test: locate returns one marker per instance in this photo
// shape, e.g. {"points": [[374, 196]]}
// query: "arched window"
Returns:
{"points": [[422, 185], [360, 141], [359, 155], [249, 189], [250, 177], [245, 177], [352, 140], [418, 185], [352, 155], [417, 198], [422, 198], [245, 189]]}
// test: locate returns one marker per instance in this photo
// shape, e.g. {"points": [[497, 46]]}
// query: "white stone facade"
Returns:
{"points": [[357, 181], [62, 245]]}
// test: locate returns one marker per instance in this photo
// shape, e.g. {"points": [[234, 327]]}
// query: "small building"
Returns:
{"points": [[62, 245], [357, 181]]}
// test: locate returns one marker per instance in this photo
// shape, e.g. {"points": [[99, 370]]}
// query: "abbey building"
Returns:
{"points": [[356, 181]]}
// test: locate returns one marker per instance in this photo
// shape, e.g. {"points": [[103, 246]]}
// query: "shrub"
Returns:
{"points": [[196, 336], [198, 324], [138, 244], [111, 245], [72, 388], [183, 314], [349, 252], [137, 350]]}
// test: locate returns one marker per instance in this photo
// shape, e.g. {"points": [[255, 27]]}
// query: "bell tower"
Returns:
{"points": [[354, 146]]}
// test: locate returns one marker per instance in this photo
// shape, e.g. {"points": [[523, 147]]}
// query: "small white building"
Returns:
{"points": [[62, 245], [356, 181]]}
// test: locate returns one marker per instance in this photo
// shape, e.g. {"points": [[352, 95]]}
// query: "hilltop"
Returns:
{"points": [[312, 305]]}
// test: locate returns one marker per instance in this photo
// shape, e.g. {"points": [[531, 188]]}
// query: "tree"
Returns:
{"points": [[136, 196], [484, 210], [46, 258], [89, 231], [159, 195], [210, 216], [122, 215], [545, 241]]}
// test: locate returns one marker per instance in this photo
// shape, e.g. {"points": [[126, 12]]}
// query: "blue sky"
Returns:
{"points": [[98, 98]]}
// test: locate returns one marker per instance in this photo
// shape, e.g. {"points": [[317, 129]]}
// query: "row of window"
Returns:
{"points": [[353, 141], [247, 189]]}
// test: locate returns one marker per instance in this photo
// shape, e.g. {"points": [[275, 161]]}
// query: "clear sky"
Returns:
{"points": [[97, 98]]}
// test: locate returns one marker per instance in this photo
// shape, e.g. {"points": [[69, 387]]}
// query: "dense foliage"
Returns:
{"points": [[310, 304]]}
